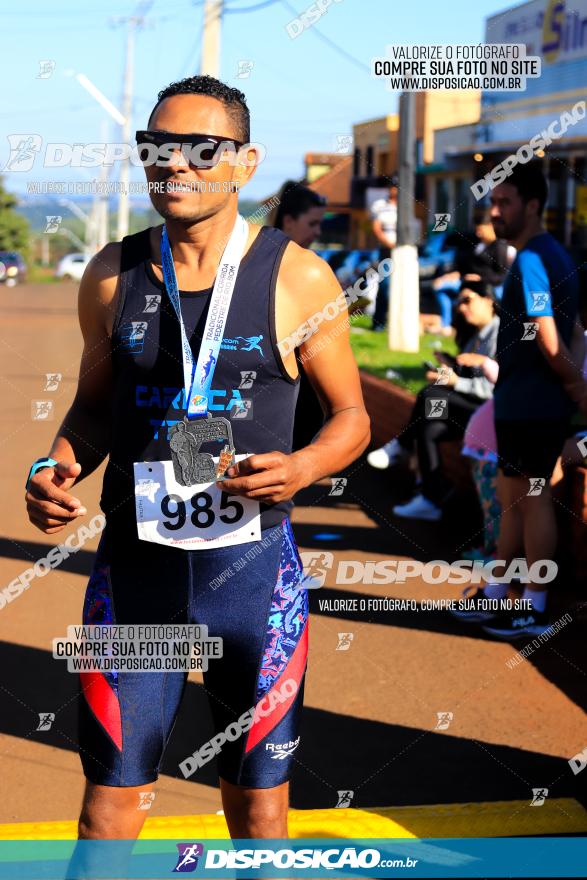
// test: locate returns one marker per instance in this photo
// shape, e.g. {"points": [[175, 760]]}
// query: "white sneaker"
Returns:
{"points": [[390, 454], [418, 508]]}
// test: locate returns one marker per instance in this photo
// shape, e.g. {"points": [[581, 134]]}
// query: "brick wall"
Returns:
{"points": [[389, 408]]}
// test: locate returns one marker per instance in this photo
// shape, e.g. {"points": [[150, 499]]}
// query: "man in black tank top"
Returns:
{"points": [[176, 550]]}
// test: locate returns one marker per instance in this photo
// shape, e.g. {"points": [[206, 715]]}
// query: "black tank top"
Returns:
{"points": [[148, 394]]}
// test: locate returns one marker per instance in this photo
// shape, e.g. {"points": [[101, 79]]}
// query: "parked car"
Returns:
{"points": [[71, 266], [12, 268]]}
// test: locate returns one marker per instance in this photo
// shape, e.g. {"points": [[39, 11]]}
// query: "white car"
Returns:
{"points": [[71, 267]]}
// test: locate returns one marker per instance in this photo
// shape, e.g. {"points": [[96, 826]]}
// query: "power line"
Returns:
{"points": [[329, 42]]}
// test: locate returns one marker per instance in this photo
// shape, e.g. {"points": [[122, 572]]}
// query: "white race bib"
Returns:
{"points": [[190, 517]]}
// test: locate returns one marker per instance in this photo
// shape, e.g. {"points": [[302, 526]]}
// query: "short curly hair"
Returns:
{"points": [[234, 101]]}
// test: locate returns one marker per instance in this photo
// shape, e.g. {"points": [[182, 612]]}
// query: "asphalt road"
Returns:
{"points": [[372, 711]]}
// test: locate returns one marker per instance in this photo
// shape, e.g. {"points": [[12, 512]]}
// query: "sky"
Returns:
{"points": [[302, 92]]}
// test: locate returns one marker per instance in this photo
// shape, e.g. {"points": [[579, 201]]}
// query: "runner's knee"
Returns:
{"points": [[106, 813]]}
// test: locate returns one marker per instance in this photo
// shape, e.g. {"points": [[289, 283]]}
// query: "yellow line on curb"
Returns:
{"points": [[488, 819]]}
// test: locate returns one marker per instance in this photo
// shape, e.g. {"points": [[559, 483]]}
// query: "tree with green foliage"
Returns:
{"points": [[14, 228]]}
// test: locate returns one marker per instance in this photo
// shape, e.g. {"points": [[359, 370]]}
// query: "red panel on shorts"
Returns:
{"points": [[294, 669], [104, 704]]}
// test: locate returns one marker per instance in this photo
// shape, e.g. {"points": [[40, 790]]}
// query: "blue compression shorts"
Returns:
{"points": [[260, 611]]}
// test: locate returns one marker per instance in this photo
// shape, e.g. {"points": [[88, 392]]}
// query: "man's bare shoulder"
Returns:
{"points": [[99, 288], [306, 275], [103, 270]]}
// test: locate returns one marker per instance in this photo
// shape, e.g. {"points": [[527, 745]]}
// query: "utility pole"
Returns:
{"points": [[101, 201], [404, 309], [134, 21], [210, 63], [123, 199]]}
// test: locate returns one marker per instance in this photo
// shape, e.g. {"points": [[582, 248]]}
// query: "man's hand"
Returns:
{"points": [[50, 506], [443, 358], [270, 477], [470, 359], [450, 379]]}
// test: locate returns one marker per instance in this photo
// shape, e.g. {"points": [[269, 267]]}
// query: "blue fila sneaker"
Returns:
{"points": [[513, 624]]}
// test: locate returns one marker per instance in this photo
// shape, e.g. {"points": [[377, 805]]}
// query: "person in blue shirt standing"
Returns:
{"points": [[536, 392]]}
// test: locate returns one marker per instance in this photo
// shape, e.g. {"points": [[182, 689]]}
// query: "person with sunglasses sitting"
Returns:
{"points": [[443, 408]]}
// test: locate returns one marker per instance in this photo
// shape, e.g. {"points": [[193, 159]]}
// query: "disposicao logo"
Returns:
{"points": [[187, 860]]}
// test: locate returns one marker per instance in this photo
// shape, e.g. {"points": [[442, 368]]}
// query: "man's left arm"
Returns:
{"points": [[329, 364], [560, 360], [540, 309]]}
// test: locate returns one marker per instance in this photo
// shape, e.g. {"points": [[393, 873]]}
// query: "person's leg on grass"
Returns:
{"points": [[380, 314], [444, 303], [429, 433], [490, 506], [484, 474]]}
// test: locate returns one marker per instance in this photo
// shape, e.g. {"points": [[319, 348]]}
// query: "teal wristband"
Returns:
{"points": [[38, 465]]}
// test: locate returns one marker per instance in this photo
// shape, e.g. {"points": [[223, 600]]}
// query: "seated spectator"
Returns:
{"points": [[480, 446], [442, 409], [482, 257]]}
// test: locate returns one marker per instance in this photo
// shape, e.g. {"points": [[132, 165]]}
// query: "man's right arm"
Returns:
{"points": [[83, 440]]}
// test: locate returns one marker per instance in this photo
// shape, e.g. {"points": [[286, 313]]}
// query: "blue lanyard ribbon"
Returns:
{"points": [[198, 377]]}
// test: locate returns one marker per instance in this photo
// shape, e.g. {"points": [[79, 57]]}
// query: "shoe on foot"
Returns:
{"points": [[513, 624], [418, 508], [476, 608], [390, 454]]}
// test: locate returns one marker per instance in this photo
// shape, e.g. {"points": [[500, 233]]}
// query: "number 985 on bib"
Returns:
{"points": [[190, 517]]}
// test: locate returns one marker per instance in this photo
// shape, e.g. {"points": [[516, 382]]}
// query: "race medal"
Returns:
{"points": [[191, 517], [190, 466]]}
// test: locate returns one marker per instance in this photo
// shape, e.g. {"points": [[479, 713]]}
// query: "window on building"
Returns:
{"points": [[357, 162], [369, 162]]}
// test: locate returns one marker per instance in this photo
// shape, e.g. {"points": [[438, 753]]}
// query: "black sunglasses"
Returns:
{"points": [[200, 142]]}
